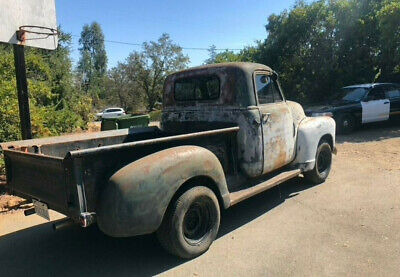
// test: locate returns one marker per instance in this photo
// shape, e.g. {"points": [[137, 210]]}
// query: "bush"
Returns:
{"points": [[2, 165], [155, 115], [56, 106]]}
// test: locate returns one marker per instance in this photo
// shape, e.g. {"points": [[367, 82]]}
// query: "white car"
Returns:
{"points": [[111, 113]]}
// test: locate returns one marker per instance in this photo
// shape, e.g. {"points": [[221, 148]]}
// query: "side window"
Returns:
{"points": [[393, 93], [267, 89], [376, 94]]}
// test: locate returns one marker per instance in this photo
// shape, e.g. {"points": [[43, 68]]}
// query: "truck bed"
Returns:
{"points": [[67, 172]]}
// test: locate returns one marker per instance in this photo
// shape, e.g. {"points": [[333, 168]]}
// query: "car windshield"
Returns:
{"points": [[350, 94]]}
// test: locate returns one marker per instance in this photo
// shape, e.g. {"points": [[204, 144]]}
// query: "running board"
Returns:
{"points": [[241, 195]]}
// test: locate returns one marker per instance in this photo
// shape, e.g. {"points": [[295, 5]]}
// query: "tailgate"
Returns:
{"points": [[38, 176]]}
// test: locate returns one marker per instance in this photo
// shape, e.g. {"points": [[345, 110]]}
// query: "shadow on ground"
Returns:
{"points": [[39, 251], [372, 132]]}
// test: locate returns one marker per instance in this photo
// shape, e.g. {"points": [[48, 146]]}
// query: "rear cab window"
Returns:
{"points": [[267, 89], [199, 88]]}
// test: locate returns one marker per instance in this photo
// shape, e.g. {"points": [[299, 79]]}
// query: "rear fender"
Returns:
{"points": [[310, 131], [136, 197]]}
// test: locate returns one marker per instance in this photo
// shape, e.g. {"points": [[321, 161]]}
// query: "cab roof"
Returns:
{"points": [[370, 85], [244, 66]]}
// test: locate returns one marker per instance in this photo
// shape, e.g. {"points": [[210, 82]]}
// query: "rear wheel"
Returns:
{"points": [[323, 163], [345, 124], [191, 224]]}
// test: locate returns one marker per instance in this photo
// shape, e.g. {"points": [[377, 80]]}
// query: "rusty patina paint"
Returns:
{"points": [[279, 134], [137, 196], [249, 138]]}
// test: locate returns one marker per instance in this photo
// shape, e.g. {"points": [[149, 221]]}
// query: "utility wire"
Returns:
{"points": [[185, 48]]}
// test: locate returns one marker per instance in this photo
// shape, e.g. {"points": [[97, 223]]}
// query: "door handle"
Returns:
{"points": [[265, 117], [387, 102]]}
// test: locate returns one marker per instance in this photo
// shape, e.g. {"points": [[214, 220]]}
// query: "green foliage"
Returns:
{"points": [[2, 165], [141, 77], [227, 56], [245, 55], [158, 59], [155, 115], [388, 18], [321, 46], [56, 106], [92, 66], [94, 58], [123, 90], [9, 116], [212, 53]]}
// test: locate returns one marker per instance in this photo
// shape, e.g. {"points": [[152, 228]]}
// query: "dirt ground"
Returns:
{"points": [[348, 226]]}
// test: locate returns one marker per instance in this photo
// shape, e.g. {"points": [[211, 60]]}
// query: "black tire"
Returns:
{"points": [[323, 163], [345, 124], [191, 224]]}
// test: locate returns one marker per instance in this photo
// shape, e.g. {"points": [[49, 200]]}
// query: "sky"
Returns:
{"points": [[225, 24]]}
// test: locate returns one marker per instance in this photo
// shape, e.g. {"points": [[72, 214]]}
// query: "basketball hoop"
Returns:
{"points": [[39, 32]]}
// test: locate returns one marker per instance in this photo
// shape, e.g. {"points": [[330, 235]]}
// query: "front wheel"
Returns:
{"points": [[191, 224], [323, 163]]}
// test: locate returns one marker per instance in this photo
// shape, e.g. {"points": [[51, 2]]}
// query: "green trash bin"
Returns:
{"points": [[126, 121]]}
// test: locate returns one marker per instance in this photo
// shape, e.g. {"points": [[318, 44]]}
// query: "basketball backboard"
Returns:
{"points": [[35, 19]]}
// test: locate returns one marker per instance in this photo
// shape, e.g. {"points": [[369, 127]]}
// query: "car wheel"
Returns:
{"points": [[345, 124], [191, 223], [323, 163]]}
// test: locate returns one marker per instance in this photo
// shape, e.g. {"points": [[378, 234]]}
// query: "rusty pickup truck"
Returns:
{"points": [[227, 133]]}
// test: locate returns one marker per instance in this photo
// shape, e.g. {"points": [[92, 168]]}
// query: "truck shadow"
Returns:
{"points": [[39, 251], [372, 132]]}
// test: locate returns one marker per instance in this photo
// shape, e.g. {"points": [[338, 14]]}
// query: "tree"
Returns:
{"points": [[245, 55], [324, 45], [212, 53], [123, 88], [92, 65], [149, 68], [388, 18], [227, 56], [137, 83]]}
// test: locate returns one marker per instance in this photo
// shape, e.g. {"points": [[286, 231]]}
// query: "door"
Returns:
{"points": [[276, 123], [375, 107]]}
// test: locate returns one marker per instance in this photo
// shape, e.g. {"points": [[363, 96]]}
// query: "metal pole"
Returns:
{"points": [[22, 89]]}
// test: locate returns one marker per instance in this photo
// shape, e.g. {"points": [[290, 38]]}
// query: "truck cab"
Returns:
{"points": [[247, 95]]}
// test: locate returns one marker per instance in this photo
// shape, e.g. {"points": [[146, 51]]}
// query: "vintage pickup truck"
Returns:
{"points": [[227, 133]]}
